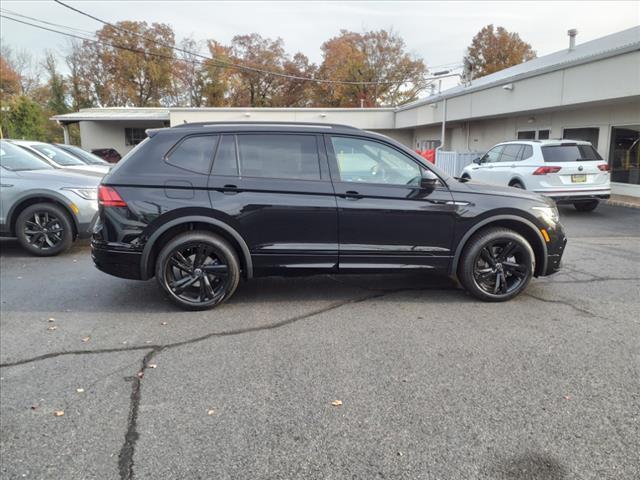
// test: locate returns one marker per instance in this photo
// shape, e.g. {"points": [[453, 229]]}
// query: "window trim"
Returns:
{"points": [[316, 137], [168, 154], [335, 169]]}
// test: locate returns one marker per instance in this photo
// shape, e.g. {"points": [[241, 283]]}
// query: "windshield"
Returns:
{"points": [[569, 153], [16, 159], [85, 156], [57, 155]]}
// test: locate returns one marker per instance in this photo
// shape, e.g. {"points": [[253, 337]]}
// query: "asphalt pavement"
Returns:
{"points": [[358, 377]]}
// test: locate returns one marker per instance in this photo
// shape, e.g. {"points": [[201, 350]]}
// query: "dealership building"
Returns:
{"points": [[588, 91]]}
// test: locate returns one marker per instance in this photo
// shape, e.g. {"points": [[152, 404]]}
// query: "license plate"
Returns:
{"points": [[579, 178]]}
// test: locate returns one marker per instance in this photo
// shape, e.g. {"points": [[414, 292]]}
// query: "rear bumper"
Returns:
{"points": [[576, 195], [117, 262]]}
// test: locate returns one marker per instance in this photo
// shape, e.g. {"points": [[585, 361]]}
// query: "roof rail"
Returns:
{"points": [[266, 124]]}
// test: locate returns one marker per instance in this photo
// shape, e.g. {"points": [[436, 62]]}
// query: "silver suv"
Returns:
{"points": [[44, 207]]}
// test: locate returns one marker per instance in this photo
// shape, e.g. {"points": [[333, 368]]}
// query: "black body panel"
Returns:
{"points": [[317, 223]]}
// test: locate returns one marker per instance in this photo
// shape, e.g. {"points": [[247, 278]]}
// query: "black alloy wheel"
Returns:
{"points": [[198, 270], [497, 265], [44, 229]]}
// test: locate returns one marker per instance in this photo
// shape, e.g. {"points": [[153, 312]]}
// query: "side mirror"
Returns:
{"points": [[429, 180], [477, 160]]}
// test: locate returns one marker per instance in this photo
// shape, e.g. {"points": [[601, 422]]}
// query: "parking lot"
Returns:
{"points": [[433, 384]]}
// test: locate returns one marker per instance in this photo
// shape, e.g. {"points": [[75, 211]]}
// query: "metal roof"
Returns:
{"points": [[612, 45], [115, 113]]}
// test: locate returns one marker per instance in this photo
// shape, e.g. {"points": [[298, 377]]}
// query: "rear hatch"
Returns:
{"points": [[574, 166]]}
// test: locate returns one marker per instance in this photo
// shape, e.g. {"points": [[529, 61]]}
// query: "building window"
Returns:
{"points": [[428, 144], [587, 134], [624, 155], [133, 136], [543, 134], [527, 135]]}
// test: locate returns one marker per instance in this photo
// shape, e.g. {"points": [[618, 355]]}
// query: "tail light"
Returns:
{"points": [[603, 167], [109, 197], [545, 170]]}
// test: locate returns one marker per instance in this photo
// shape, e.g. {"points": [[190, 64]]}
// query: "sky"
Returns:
{"points": [[438, 32]]}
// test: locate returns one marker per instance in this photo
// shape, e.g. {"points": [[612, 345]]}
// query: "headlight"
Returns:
{"points": [[550, 214], [89, 193]]}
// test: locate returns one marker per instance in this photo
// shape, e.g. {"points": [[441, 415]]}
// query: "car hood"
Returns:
{"points": [[488, 189], [61, 177]]}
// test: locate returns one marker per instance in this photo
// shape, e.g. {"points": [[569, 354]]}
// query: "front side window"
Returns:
{"points": [[194, 153], [279, 156], [16, 159], [58, 155], [511, 153], [361, 160], [492, 155], [133, 136]]}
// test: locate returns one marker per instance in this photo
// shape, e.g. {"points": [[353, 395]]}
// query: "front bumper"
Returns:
{"points": [[555, 249]]}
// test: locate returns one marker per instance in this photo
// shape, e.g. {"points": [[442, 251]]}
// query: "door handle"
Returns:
{"points": [[352, 195], [230, 189]]}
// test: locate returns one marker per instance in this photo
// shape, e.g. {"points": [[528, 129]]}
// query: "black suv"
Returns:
{"points": [[201, 206]]}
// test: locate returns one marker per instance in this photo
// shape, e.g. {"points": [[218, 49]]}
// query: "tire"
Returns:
{"points": [[497, 283], [589, 206], [181, 262], [517, 184], [465, 177], [44, 229]]}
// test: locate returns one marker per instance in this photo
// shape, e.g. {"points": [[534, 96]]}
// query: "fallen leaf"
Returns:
{"points": [[211, 411], [53, 327], [58, 413], [140, 374], [34, 407], [85, 339], [163, 323], [567, 397], [336, 403], [80, 390], [51, 319], [152, 365], [400, 454]]}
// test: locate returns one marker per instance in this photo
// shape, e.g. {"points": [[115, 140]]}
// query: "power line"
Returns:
{"points": [[229, 64]]}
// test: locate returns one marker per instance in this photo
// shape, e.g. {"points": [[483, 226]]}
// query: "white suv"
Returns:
{"points": [[569, 171]]}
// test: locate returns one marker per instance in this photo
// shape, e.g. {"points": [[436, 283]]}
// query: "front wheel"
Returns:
{"points": [[496, 265], [44, 229], [198, 270], [589, 206]]}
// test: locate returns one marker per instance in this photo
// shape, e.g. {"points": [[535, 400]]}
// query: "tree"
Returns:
{"points": [[492, 50], [56, 100], [24, 118], [79, 85], [9, 81], [378, 58]]}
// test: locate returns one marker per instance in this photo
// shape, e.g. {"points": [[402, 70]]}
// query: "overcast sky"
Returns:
{"points": [[438, 32]]}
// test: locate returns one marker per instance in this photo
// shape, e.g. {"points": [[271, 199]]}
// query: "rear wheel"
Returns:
{"points": [[517, 184], [44, 229], [497, 264], [589, 206], [198, 270]]}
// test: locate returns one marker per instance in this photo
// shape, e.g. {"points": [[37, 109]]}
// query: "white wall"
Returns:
{"points": [[110, 134], [365, 118], [483, 134]]}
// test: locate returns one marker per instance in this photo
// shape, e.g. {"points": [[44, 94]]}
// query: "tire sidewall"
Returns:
{"points": [[221, 248], [472, 250], [67, 239]]}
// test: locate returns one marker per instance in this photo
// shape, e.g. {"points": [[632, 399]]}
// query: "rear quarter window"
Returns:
{"points": [[194, 153]]}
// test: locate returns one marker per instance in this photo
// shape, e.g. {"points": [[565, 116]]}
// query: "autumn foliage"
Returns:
{"points": [[494, 49]]}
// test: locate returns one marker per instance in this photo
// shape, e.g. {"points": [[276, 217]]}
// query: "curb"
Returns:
{"points": [[617, 203]]}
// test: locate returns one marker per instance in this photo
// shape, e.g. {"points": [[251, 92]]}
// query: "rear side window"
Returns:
{"points": [[226, 161], [194, 153], [510, 153], [526, 152], [569, 153], [279, 156]]}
